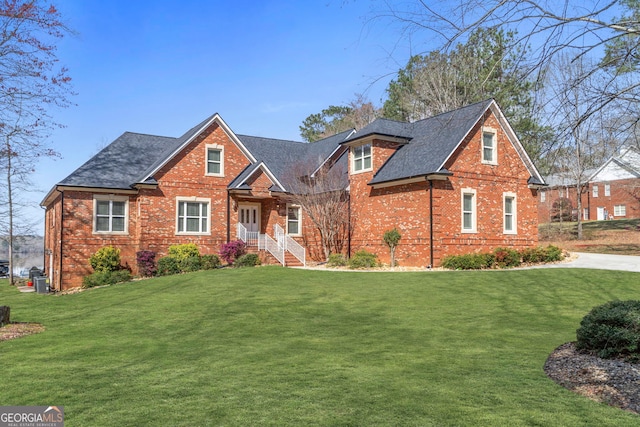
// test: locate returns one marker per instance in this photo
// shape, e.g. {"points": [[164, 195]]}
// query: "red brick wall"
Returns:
{"points": [[407, 206], [152, 213], [622, 192]]}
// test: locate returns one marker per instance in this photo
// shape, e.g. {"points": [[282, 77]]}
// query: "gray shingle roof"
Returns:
{"points": [[122, 163], [430, 141], [282, 156]]}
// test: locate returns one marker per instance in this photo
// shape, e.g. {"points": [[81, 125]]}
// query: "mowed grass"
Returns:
{"points": [[275, 346]]}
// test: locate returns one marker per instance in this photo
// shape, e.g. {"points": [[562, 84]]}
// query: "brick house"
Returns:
{"points": [[612, 191], [454, 183]]}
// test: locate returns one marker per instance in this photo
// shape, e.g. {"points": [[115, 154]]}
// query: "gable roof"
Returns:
{"points": [[428, 144], [624, 166], [122, 163], [134, 158], [279, 157]]}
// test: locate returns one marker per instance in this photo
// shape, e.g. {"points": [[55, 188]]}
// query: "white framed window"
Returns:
{"points": [[607, 190], [214, 160], [619, 210], [294, 220], [192, 215], [110, 214], [510, 214], [489, 146], [595, 191], [361, 156], [468, 208], [585, 214], [543, 196]]}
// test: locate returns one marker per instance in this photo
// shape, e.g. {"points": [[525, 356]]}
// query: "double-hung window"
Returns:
{"points": [[469, 210], [510, 213], [110, 214], [214, 160], [607, 190], [294, 226], [489, 149], [361, 158], [193, 216], [620, 210], [595, 191]]}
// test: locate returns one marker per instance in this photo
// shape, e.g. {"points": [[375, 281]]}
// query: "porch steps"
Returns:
{"points": [[267, 259], [291, 261]]}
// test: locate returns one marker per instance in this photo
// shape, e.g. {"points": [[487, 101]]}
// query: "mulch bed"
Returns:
{"points": [[611, 381], [19, 329]]}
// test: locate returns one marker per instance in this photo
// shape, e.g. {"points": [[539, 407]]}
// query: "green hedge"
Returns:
{"points": [[502, 258]]}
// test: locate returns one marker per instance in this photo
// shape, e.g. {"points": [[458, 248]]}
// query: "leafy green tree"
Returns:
{"points": [[335, 119], [486, 66], [329, 121], [392, 238]]}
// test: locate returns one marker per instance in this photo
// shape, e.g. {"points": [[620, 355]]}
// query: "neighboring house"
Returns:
{"points": [[612, 191], [455, 183]]}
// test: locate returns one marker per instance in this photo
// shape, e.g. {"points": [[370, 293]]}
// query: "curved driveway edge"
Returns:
{"points": [[600, 261]]}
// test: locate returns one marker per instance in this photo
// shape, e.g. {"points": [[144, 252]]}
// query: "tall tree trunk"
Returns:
{"points": [[10, 206]]}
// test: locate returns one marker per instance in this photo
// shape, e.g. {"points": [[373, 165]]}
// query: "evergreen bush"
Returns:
{"points": [[167, 265], [102, 278], [469, 261], [105, 259], [209, 262], [183, 251], [507, 257], [612, 330], [336, 260], [363, 259], [247, 260]]}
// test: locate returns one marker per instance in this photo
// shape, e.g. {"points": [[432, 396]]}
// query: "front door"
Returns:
{"points": [[600, 214], [250, 217]]}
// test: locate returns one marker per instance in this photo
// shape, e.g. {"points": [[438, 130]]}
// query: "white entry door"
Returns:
{"points": [[250, 217], [600, 214]]}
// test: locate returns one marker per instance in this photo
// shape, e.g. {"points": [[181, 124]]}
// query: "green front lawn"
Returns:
{"points": [[274, 346]]}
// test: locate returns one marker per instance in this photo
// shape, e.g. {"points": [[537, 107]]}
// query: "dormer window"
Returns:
{"points": [[361, 158]]}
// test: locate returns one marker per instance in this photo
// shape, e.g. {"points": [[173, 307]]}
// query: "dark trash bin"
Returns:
{"points": [[42, 284], [34, 272]]}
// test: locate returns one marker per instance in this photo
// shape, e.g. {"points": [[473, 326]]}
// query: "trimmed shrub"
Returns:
{"points": [[232, 250], [105, 259], [336, 260], [363, 259], [167, 265], [189, 264], [247, 260], [553, 253], [183, 251], [468, 261], [533, 255], [506, 257], [102, 278], [146, 261], [612, 330], [209, 262]]}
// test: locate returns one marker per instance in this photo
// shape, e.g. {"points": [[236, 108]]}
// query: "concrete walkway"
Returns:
{"points": [[600, 262]]}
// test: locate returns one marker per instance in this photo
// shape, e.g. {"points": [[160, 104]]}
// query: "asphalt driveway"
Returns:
{"points": [[601, 262]]}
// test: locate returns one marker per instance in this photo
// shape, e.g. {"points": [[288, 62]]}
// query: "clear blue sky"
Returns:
{"points": [[162, 66]]}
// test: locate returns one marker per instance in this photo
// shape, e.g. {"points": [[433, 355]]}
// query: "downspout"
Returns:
{"points": [[349, 224], [228, 216], [430, 224]]}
